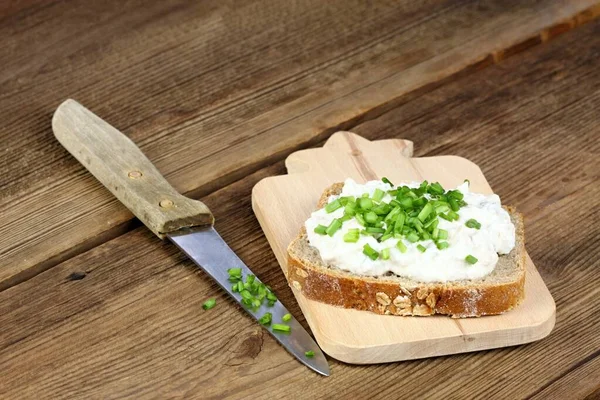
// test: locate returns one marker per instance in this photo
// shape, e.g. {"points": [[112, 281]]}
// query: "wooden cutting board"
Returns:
{"points": [[283, 203]]}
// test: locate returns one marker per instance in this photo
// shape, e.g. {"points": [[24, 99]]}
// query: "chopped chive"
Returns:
{"points": [[350, 209], [266, 319], [334, 205], [425, 236], [286, 317], [321, 229], [385, 254], [281, 328], [371, 229], [208, 304], [309, 354], [442, 245], [370, 252], [471, 260], [453, 204], [365, 203], [473, 223], [435, 233], [401, 246], [421, 248], [453, 215], [386, 180], [399, 222], [334, 226], [443, 234], [378, 195]]}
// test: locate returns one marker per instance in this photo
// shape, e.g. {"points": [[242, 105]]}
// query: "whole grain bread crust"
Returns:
{"points": [[384, 296]]}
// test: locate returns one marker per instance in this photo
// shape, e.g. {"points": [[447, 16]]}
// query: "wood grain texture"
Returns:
{"points": [[133, 328], [218, 78], [362, 337], [125, 171]]}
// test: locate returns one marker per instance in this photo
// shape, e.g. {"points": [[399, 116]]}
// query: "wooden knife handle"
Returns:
{"points": [[124, 170]]}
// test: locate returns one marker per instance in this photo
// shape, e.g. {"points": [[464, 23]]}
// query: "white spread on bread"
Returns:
{"points": [[496, 236]]}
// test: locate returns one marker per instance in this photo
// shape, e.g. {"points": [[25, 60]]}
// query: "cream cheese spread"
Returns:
{"points": [[496, 236]]}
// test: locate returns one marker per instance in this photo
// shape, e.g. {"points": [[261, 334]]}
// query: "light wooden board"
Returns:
{"points": [[362, 337]]}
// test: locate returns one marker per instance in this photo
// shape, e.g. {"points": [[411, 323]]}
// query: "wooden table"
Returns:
{"points": [[217, 94]]}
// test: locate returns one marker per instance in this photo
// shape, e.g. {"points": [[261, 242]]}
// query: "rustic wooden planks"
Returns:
{"points": [[133, 326], [240, 85]]}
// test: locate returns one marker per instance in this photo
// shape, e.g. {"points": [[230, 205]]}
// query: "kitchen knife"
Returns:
{"points": [[124, 170]]}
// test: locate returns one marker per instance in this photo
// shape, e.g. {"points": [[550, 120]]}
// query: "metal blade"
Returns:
{"points": [[208, 250]]}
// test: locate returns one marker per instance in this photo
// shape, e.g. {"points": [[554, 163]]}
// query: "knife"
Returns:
{"points": [[124, 170]]}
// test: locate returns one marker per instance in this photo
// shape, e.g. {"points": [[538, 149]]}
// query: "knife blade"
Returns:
{"points": [[124, 170]]}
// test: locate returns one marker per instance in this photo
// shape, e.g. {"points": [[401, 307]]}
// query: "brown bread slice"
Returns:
{"points": [[500, 291]]}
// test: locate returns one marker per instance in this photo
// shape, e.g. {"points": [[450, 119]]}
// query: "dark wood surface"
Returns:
{"points": [[212, 91], [123, 318]]}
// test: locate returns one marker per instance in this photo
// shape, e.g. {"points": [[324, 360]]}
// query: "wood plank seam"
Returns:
{"points": [[497, 56]]}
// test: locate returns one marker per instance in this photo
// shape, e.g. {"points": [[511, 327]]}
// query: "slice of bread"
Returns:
{"points": [[500, 291]]}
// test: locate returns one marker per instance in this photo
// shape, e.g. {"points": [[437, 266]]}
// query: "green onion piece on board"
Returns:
{"points": [[321, 229], [421, 248], [471, 260], [208, 304], [370, 252], [281, 328], [266, 319], [309, 354], [286, 317]]}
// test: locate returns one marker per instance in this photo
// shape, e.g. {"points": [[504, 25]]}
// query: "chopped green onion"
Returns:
{"points": [[250, 278], [365, 203], [385, 254], [421, 248], [453, 215], [370, 252], [473, 223], [435, 233], [321, 229], [350, 209], [256, 303], [360, 219], [386, 180], [471, 260], [266, 319], [352, 235], [208, 304], [371, 229], [271, 296], [442, 245], [401, 246], [286, 317], [406, 203], [412, 237], [399, 222], [378, 195], [309, 354], [334, 226], [425, 212], [246, 295], [281, 328], [453, 204], [370, 217], [425, 236], [334, 205], [385, 237], [443, 234], [435, 188]]}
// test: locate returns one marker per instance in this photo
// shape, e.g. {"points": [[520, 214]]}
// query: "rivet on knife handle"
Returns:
{"points": [[122, 168]]}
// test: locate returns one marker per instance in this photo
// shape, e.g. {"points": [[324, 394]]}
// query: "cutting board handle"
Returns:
{"points": [[124, 170]]}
